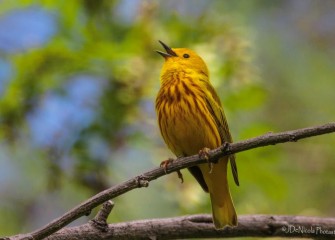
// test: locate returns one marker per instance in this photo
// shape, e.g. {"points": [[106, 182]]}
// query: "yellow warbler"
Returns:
{"points": [[191, 119]]}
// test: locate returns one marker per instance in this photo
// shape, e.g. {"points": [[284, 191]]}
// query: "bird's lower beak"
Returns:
{"points": [[169, 52]]}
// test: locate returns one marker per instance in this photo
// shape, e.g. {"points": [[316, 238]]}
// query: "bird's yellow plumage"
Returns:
{"points": [[191, 118]]}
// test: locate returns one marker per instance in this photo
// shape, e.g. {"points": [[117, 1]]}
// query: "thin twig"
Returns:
{"points": [[144, 179], [100, 220]]}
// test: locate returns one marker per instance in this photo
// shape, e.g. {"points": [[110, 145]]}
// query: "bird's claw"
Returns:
{"points": [[204, 153], [165, 164], [180, 176]]}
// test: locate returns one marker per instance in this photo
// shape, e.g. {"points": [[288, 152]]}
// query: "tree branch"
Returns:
{"points": [[144, 179], [201, 226]]}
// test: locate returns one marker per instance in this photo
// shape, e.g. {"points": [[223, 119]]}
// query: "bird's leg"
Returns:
{"points": [[204, 153], [164, 165]]}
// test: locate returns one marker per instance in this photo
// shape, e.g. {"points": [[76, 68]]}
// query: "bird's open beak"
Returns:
{"points": [[169, 52]]}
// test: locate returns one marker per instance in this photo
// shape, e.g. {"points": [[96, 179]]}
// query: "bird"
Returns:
{"points": [[192, 121]]}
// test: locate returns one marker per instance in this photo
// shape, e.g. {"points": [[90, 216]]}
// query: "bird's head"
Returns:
{"points": [[182, 59]]}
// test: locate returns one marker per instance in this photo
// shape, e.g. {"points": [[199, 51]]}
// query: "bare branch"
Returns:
{"points": [[144, 179], [201, 226], [100, 220]]}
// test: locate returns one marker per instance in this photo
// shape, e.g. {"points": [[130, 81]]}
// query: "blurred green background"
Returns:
{"points": [[78, 81]]}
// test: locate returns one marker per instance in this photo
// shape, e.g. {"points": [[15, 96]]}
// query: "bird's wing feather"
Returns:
{"points": [[214, 106]]}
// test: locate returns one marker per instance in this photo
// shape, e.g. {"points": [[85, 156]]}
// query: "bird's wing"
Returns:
{"points": [[214, 106]]}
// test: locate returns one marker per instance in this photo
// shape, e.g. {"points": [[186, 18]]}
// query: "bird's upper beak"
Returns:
{"points": [[169, 52]]}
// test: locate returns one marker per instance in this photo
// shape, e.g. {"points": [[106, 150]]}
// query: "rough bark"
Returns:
{"points": [[201, 226]]}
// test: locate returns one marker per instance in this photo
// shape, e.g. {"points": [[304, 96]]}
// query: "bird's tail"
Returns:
{"points": [[222, 204]]}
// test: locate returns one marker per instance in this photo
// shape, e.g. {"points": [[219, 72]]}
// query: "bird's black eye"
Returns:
{"points": [[186, 55]]}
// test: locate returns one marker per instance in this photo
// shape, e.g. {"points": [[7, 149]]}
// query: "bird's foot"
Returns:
{"points": [[204, 153], [165, 164]]}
